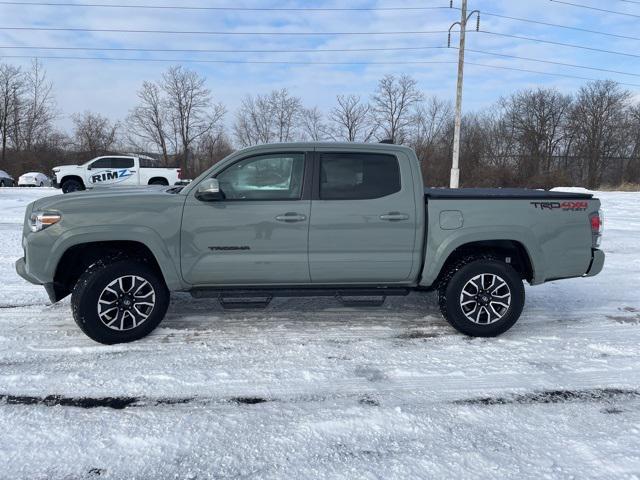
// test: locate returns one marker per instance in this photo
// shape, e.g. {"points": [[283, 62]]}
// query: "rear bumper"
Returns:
{"points": [[597, 262]]}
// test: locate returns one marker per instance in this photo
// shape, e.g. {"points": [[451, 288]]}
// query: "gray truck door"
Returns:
{"points": [[363, 219], [259, 233]]}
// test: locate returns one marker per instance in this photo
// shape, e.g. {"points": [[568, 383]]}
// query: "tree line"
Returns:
{"points": [[536, 137]]}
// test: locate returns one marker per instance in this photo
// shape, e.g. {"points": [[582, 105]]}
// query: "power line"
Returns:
{"points": [[213, 50], [557, 25], [270, 62], [551, 62], [240, 62], [566, 75], [551, 42], [589, 7], [205, 32], [242, 9], [305, 50]]}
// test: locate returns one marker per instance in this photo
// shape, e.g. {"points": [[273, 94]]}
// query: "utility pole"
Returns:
{"points": [[464, 18]]}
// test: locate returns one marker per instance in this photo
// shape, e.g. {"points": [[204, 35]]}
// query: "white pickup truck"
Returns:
{"points": [[114, 170]]}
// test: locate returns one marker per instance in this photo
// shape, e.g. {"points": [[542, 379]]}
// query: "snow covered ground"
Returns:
{"points": [[310, 389]]}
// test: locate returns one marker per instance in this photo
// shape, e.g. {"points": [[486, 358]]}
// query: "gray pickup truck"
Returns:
{"points": [[304, 219]]}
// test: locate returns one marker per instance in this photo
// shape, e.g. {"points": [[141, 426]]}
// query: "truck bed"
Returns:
{"points": [[499, 193]]}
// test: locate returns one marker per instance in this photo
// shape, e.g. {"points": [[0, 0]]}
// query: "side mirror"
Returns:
{"points": [[209, 191]]}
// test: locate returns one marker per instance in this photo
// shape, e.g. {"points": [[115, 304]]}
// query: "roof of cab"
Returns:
{"points": [[383, 147]]}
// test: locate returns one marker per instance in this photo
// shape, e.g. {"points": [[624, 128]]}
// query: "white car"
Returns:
{"points": [[6, 180], [34, 179], [114, 171]]}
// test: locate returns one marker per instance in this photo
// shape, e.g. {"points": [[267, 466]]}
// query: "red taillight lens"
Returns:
{"points": [[179, 174], [597, 225]]}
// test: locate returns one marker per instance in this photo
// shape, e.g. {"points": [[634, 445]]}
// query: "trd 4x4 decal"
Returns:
{"points": [[573, 206], [111, 176]]}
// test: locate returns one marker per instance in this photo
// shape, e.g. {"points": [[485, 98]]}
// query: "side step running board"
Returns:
{"points": [[234, 298], [234, 303], [355, 301]]}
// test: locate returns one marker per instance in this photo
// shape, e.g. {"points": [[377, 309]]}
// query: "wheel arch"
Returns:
{"points": [[72, 177], [78, 252], [515, 251], [158, 181]]}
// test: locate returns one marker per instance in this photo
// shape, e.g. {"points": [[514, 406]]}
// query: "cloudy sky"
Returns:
{"points": [[107, 83]]}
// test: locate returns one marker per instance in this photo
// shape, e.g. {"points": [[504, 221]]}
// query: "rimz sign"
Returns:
{"points": [[565, 206], [110, 176]]}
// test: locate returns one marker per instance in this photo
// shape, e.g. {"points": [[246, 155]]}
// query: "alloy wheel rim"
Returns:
{"points": [[126, 303], [485, 299]]}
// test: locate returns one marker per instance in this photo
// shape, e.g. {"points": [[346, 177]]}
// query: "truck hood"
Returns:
{"points": [[67, 167], [103, 196]]}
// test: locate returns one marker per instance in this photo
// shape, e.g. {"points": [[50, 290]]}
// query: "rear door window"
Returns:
{"points": [[113, 162], [358, 176]]}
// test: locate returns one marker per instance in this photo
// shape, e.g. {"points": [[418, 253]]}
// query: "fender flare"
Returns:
{"points": [[132, 233], [435, 259]]}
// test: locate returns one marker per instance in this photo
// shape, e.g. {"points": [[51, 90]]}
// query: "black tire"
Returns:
{"points": [[465, 275], [41, 184], [72, 185], [94, 282], [158, 182], [1, 183]]}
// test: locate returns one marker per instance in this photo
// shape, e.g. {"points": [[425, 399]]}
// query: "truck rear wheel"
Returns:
{"points": [[158, 181], [119, 302], [481, 297]]}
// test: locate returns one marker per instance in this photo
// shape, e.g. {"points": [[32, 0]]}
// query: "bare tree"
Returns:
{"points": [[392, 105], [350, 120], [39, 109], [12, 85], [430, 122], [595, 120], [190, 108], [632, 168], [312, 125], [212, 148], [94, 133], [253, 121], [539, 120], [148, 121], [285, 110], [267, 118]]}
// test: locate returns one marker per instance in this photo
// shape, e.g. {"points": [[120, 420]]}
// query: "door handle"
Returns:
{"points": [[291, 217], [394, 217]]}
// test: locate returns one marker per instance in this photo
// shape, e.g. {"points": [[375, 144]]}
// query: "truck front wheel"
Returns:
{"points": [[482, 297], [71, 185], [119, 302]]}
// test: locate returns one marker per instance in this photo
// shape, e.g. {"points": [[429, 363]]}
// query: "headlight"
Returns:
{"points": [[41, 220]]}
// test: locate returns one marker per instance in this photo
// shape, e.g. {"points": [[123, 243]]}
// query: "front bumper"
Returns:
{"points": [[597, 262], [21, 268]]}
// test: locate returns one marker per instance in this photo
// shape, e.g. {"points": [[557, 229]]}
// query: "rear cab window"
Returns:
{"points": [[113, 162], [358, 176]]}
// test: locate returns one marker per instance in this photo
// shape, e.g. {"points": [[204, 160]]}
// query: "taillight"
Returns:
{"points": [[597, 226], [179, 174]]}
